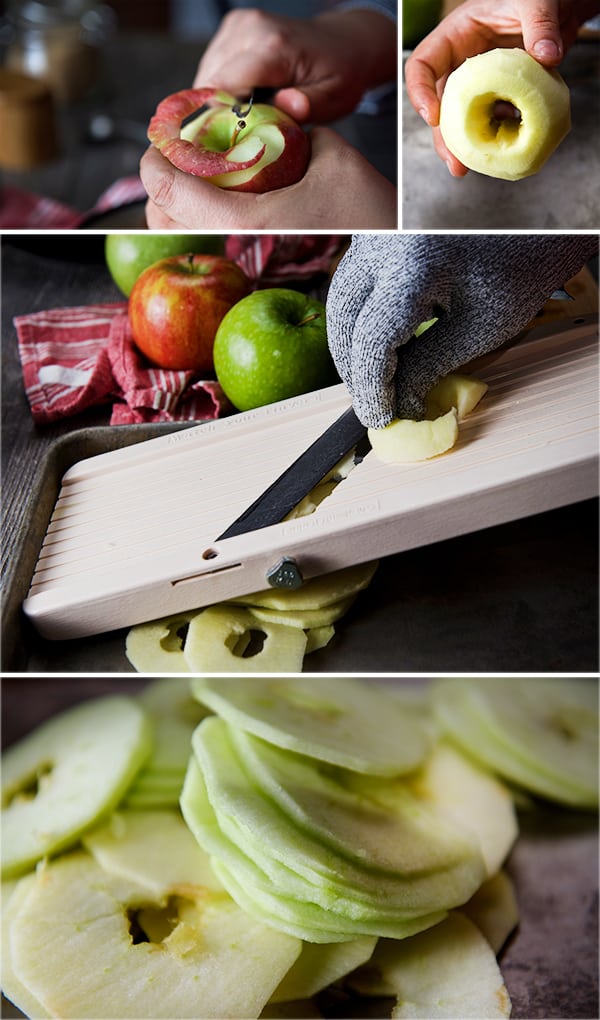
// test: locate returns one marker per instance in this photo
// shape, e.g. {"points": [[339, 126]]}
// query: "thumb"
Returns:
{"points": [[540, 27]]}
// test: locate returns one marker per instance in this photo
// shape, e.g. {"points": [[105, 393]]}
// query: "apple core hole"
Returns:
{"points": [[152, 923], [30, 786], [248, 644], [174, 639]]}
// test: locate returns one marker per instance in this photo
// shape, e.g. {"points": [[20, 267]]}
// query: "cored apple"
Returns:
{"points": [[503, 114], [263, 151], [177, 304]]}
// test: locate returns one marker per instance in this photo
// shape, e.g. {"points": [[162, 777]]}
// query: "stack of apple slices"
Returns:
{"points": [[331, 832]]}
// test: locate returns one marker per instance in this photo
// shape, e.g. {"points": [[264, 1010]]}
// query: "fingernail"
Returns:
{"points": [[546, 49], [425, 115]]}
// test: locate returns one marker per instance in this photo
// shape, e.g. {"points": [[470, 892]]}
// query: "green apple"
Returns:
{"points": [[127, 255], [418, 18], [503, 114], [272, 345]]}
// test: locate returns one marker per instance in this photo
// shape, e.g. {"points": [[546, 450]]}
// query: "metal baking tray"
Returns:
{"points": [[550, 964]]}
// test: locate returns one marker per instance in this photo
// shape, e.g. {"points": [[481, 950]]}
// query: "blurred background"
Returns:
{"points": [[79, 81]]}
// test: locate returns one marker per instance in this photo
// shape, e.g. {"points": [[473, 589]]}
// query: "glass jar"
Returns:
{"points": [[58, 41]]}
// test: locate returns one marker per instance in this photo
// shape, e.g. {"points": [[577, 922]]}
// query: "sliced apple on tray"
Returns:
{"points": [[264, 151]]}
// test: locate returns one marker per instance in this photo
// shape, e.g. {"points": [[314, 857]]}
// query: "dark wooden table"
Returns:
{"points": [[521, 597]]}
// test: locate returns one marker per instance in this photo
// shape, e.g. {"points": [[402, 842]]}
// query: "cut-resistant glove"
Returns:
{"points": [[483, 288]]}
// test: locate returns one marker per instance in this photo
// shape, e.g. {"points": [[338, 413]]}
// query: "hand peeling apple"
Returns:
{"points": [[263, 150], [503, 114]]}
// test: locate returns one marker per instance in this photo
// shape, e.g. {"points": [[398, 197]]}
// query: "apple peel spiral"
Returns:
{"points": [[265, 151]]}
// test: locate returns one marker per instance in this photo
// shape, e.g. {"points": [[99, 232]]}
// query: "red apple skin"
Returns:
{"points": [[194, 158], [176, 306]]}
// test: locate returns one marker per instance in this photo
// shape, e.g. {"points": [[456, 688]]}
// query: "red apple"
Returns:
{"points": [[265, 151], [177, 304]]}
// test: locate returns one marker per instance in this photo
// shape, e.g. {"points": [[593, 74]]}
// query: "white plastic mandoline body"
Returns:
{"points": [[133, 534]]}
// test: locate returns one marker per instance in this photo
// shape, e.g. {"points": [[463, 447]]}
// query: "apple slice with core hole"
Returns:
{"points": [[265, 151], [219, 638], [60, 779], [191, 948], [503, 114]]}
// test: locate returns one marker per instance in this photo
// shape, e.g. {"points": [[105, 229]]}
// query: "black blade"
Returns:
{"points": [[297, 480]]}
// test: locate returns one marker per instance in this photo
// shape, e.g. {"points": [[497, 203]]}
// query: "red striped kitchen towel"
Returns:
{"points": [[75, 358]]}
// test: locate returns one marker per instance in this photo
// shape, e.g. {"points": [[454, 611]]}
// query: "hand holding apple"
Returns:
{"points": [[265, 151], [177, 304]]}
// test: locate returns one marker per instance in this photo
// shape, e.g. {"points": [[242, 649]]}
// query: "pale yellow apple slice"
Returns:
{"points": [[510, 147], [218, 636], [318, 637], [473, 798], [157, 647], [405, 440], [13, 896], [448, 971], [66, 774], [305, 618], [320, 965], [494, 909], [79, 944], [316, 592], [460, 391]]}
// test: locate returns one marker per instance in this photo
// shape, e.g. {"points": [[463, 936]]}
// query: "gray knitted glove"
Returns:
{"points": [[484, 288]]}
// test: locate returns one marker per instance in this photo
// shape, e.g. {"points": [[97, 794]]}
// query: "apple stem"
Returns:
{"points": [[241, 124], [309, 318]]}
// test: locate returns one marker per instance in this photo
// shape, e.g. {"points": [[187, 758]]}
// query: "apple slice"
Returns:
{"points": [[171, 696], [494, 909], [168, 956], [264, 151], [157, 647], [69, 772], [14, 895], [319, 966], [144, 847], [476, 128], [305, 619], [460, 391], [449, 971], [541, 734], [340, 720], [381, 825], [218, 637], [318, 637], [317, 592]]}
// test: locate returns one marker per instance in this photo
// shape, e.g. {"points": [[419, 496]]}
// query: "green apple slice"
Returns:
{"points": [[142, 847], [381, 824], [316, 592], [65, 775], [341, 720], [190, 950], [473, 799], [171, 696], [305, 618], [316, 911], [266, 834], [218, 637], [318, 637], [540, 733], [494, 909], [319, 966], [449, 971]]}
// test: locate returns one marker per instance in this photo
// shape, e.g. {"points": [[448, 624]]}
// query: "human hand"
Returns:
{"points": [[320, 67], [483, 288], [339, 191], [545, 28]]}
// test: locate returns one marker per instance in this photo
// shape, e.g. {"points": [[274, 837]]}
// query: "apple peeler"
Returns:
{"points": [[141, 532]]}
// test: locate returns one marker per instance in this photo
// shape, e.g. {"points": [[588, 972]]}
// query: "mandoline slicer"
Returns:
{"points": [[133, 533]]}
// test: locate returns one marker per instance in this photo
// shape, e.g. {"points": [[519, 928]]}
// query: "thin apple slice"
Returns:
{"points": [[494, 909], [68, 773], [541, 734], [460, 391], [14, 895], [171, 696], [318, 637], [317, 592], [269, 836], [305, 619], [158, 957], [380, 824], [214, 636], [144, 847], [321, 965], [157, 647], [449, 971], [340, 720], [473, 799]]}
